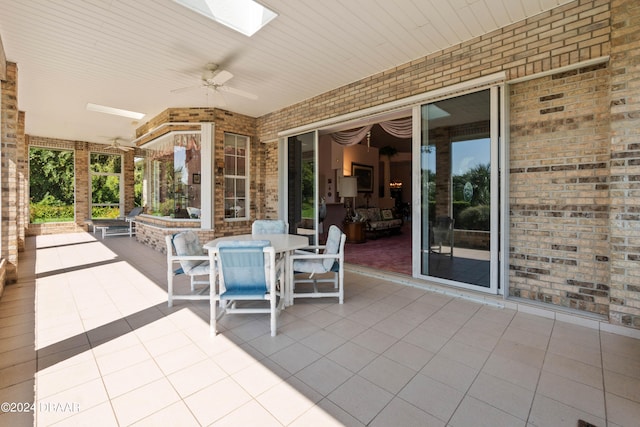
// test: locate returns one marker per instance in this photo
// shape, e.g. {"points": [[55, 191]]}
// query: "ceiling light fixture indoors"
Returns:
{"points": [[115, 111], [243, 16]]}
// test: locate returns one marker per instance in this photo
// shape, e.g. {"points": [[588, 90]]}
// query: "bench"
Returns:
{"points": [[116, 227]]}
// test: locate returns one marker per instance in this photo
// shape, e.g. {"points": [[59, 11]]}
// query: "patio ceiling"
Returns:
{"points": [[131, 55]]}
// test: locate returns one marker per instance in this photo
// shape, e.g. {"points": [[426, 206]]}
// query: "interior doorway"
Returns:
{"points": [[379, 155]]}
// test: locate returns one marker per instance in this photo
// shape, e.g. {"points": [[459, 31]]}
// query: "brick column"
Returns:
{"points": [[23, 182], [625, 163], [83, 202], [9, 170]]}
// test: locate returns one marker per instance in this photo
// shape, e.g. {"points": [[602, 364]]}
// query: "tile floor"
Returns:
{"points": [[110, 352]]}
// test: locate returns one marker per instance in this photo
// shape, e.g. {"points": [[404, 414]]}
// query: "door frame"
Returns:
{"points": [[499, 152]]}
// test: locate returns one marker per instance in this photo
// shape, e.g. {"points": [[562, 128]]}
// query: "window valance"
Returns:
{"points": [[400, 128]]}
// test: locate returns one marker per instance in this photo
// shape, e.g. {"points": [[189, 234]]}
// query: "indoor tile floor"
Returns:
{"points": [[109, 352]]}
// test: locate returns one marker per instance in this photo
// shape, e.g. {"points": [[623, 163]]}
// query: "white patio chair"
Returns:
{"points": [[184, 249], [442, 235], [320, 260], [269, 226], [245, 271]]}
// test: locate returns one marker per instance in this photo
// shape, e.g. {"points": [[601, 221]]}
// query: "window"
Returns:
{"points": [[236, 176], [51, 185], [106, 188], [174, 175]]}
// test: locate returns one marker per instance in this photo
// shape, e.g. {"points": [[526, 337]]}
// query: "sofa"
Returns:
{"points": [[379, 221]]}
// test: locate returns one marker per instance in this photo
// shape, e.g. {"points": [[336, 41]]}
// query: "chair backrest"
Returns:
{"points": [[334, 245], [241, 265], [135, 212], [444, 223], [186, 243], [269, 226]]}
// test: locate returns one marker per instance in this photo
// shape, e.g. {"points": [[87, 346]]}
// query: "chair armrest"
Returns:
{"points": [[309, 249], [314, 256], [176, 258]]}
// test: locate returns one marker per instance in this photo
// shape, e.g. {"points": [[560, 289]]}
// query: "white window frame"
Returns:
{"points": [[246, 176], [121, 181]]}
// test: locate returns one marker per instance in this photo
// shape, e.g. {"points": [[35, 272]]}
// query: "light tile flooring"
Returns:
{"points": [[110, 352]]}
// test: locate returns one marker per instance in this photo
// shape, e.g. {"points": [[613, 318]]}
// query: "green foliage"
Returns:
{"points": [[138, 173], [105, 212], [474, 218], [51, 174], [480, 178], [105, 189], [50, 210], [51, 185]]}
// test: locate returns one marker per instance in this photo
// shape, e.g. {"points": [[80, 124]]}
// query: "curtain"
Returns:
{"points": [[400, 128]]}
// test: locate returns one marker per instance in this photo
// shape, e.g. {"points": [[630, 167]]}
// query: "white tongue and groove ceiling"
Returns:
{"points": [[133, 54]]}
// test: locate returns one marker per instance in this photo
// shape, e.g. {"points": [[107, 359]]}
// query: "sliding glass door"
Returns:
{"points": [[302, 185], [459, 192]]}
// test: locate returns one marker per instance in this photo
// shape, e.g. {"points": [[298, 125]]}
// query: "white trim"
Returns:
{"points": [[120, 176], [505, 225], [247, 177], [390, 107], [157, 128], [575, 66], [206, 172], [416, 185]]}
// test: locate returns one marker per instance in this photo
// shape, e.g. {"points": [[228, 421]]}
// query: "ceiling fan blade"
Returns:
{"points": [[218, 98], [238, 92], [185, 89], [221, 77]]}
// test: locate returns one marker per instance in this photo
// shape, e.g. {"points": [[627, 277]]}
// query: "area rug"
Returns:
{"points": [[387, 253]]}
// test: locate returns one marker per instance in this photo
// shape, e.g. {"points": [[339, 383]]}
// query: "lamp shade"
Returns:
{"points": [[349, 186]]}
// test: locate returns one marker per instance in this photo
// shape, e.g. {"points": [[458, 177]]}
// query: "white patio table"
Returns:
{"points": [[282, 244]]}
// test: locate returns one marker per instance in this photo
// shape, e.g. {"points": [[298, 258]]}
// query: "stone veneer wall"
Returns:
{"points": [[151, 233], [578, 247]]}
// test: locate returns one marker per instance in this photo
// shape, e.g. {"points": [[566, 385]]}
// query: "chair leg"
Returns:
{"points": [[212, 318], [274, 321], [170, 289]]}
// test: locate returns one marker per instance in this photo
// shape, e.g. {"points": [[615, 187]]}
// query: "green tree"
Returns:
{"points": [[51, 173]]}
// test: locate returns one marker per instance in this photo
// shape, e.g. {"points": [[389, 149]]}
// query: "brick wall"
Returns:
{"points": [[81, 150], [566, 35], [224, 121], [9, 128], [625, 164], [153, 235], [559, 192], [575, 135], [575, 244]]}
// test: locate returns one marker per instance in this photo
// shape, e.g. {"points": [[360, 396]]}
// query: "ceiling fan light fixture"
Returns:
{"points": [[115, 111], [243, 16]]}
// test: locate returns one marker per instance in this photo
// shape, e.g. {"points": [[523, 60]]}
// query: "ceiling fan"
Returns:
{"points": [[115, 143], [215, 78]]}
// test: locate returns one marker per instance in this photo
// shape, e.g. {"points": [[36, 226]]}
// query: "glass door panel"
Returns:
{"points": [[302, 183], [457, 203]]}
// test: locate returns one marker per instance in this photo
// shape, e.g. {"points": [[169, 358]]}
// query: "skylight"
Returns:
{"points": [[244, 16], [115, 111]]}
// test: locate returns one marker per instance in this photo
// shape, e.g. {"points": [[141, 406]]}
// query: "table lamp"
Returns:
{"points": [[349, 190]]}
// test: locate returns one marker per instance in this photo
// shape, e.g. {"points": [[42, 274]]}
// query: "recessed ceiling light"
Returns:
{"points": [[115, 111], [243, 16]]}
